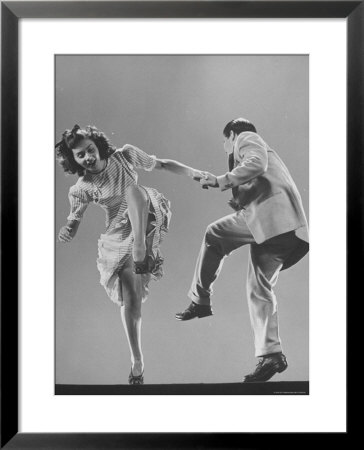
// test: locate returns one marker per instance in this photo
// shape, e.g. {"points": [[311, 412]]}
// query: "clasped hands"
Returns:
{"points": [[206, 179]]}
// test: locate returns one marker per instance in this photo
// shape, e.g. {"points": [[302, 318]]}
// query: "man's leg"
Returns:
{"points": [[221, 238], [262, 277], [265, 263]]}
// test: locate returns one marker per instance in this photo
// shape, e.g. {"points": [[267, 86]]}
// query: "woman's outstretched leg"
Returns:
{"points": [[131, 315], [138, 208]]}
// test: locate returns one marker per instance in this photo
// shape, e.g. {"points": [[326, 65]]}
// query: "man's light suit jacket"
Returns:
{"points": [[267, 194]]}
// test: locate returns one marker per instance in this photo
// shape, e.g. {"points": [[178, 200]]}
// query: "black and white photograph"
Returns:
{"points": [[181, 190], [181, 221]]}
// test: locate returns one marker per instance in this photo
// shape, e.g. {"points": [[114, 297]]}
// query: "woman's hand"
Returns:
{"points": [[197, 174], [66, 234]]}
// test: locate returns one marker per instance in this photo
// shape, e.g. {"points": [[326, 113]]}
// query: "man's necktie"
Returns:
{"points": [[231, 167]]}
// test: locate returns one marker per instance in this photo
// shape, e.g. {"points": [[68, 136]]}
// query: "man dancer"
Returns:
{"points": [[270, 217]]}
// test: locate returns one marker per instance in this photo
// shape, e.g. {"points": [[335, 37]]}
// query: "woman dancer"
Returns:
{"points": [[137, 219]]}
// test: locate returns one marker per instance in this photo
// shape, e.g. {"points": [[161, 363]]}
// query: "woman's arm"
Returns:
{"points": [[68, 232], [79, 199], [178, 168]]}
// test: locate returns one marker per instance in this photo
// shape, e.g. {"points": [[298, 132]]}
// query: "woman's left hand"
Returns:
{"points": [[197, 174]]}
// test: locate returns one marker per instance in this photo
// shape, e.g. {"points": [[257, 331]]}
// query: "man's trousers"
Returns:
{"points": [[265, 262]]}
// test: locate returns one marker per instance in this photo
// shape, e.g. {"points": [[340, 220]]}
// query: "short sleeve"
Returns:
{"points": [[138, 158], [78, 202]]}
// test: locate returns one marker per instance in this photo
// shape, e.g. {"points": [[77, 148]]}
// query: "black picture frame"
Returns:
{"points": [[11, 12]]}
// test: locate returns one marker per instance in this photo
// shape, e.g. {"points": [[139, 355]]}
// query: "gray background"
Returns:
{"points": [[176, 107]]}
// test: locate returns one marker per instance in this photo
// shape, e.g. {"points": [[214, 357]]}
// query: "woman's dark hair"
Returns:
{"points": [[238, 126], [70, 139]]}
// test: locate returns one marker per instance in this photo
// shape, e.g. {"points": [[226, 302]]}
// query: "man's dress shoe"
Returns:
{"points": [[195, 310], [267, 366]]}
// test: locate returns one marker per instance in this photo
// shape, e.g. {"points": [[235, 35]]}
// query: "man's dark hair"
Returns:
{"points": [[238, 126]]}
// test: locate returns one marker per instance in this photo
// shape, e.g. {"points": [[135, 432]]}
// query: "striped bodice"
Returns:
{"points": [[108, 187]]}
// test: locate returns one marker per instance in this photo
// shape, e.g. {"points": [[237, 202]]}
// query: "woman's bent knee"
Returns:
{"points": [[135, 192]]}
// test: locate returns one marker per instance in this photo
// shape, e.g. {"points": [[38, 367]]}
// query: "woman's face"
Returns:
{"points": [[87, 155]]}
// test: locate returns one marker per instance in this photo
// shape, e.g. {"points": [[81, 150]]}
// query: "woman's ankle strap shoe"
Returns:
{"points": [[145, 266], [136, 379]]}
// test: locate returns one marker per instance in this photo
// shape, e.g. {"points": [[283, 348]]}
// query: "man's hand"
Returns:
{"points": [[208, 180], [234, 204], [66, 233]]}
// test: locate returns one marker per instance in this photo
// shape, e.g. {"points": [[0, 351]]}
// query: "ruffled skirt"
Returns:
{"points": [[115, 247]]}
